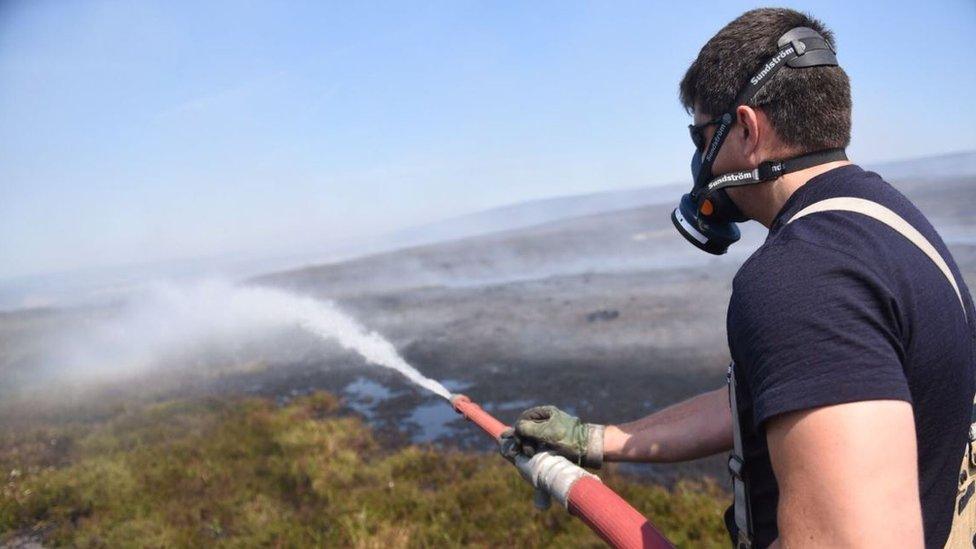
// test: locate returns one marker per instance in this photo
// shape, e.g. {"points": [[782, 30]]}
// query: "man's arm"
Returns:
{"points": [[694, 428], [847, 475]]}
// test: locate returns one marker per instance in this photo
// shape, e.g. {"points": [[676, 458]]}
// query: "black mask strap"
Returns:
{"points": [[800, 47], [772, 169], [721, 132]]}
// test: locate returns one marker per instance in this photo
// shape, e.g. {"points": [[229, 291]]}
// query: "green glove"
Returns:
{"points": [[549, 428]]}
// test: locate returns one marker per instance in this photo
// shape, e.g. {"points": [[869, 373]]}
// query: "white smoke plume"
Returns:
{"points": [[169, 320]]}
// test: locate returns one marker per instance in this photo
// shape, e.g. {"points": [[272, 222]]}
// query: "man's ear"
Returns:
{"points": [[749, 122]]}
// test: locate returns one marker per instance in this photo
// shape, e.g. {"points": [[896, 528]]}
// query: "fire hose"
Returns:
{"points": [[580, 492]]}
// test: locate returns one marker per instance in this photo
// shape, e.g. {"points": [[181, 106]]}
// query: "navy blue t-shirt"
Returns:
{"points": [[837, 307]]}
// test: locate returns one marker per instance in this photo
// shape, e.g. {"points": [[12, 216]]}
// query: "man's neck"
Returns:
{"points": [[780, 190]]}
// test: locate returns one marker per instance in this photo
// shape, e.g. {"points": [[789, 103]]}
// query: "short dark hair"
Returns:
{"points": [[809, 108]]}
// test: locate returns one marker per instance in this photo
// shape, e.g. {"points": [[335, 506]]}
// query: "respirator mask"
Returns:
{"points": [[706, 216]]}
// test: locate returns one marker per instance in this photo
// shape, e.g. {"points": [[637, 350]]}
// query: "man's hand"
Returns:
{"points": [[547, 428]]}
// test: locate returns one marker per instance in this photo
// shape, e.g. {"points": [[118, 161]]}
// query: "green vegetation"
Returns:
{"points": [[243, 472]]}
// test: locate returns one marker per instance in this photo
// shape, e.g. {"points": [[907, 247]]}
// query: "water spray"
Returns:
{"points": [[552, 476], [174, 317]]}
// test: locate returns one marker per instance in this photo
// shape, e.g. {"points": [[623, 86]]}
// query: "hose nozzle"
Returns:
{"points": [[456, 399], [471, 411]]}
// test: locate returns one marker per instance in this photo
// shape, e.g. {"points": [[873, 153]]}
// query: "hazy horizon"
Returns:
{"points": [[327, 248], [162, 130]]}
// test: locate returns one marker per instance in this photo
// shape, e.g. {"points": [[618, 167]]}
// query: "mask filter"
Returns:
{"points": [[698, 220], [712, 237]]}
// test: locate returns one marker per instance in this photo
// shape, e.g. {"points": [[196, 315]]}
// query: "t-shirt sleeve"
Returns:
{"points": [[810, 326]]}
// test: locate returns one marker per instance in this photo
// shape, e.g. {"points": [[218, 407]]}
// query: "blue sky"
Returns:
{"points": [[142, 131]]}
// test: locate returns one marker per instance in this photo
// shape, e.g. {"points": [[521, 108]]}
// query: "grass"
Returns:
{"points": [[244, 473]]}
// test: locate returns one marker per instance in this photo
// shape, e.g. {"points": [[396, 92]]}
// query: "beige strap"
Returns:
{"points": [[740, 490], [891, 219]]}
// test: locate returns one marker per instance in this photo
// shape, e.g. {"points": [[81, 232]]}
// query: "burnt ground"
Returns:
{"points": [[609, 347], [610, 316]]}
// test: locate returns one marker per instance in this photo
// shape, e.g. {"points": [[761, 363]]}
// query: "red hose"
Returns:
{"points": [[478, 416], [611, 517], [605, 512]]}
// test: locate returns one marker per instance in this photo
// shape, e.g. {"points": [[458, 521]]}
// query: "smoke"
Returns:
{"points": [[179, 324]]}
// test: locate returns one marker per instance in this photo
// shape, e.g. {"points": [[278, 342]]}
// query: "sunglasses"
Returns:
{"points": [[698, 132]]}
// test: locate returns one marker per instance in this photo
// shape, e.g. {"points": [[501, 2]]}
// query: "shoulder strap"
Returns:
{"points": [[740, 490], [963, 524], [891, 219]]}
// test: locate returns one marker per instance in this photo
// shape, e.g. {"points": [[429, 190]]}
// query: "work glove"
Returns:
{"points": [[547, 428]]}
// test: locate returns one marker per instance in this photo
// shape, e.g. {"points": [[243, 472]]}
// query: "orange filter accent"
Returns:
{"points": [[707, 207]]}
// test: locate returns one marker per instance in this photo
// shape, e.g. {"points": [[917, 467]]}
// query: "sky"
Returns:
{"points": [[135, 132]]}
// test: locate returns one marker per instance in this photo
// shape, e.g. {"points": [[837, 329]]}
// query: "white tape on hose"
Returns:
{"points": [[552, 473]]}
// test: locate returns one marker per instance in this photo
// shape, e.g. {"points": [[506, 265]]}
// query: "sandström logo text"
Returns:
{"points": [[771, 65]]}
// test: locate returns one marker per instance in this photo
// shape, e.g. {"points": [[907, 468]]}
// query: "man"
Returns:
{"points": [[851, 337]]}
